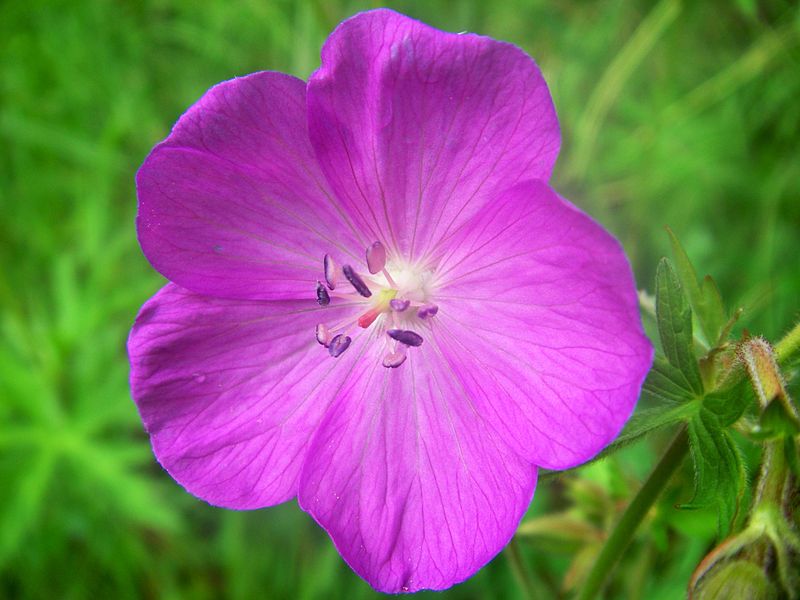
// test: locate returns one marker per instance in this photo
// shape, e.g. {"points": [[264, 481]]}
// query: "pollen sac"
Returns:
{"points": [[333, 272], [405, 336], [323, 299], [394, 360], [426, 311], [356, 281], [399, 305], [376, 258], [323, 334], [339, 344]]}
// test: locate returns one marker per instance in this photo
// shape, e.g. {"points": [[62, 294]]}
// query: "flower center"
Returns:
{"points": [[395, 299]]}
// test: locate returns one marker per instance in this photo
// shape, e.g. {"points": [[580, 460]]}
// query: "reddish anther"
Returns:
{"points": [[376, 257]]}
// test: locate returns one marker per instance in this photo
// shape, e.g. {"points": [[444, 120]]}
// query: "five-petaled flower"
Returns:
{"points": [[377, 304]]}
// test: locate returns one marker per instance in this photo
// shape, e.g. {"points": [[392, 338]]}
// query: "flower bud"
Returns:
{"points": [[734, 580]]}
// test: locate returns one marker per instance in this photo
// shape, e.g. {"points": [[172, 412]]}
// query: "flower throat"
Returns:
{"points": [[399, 304]]}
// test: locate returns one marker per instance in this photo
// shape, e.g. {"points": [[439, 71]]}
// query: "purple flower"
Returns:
{"points": [[378, 305]]}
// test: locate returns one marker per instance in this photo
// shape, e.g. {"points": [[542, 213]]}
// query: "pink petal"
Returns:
{"points": [[416, 129], [415, 490], [539, 322], [231, 391], [233, 204]]}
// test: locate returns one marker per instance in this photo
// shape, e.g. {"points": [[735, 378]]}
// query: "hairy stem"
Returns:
{"points": [[626, 527]]}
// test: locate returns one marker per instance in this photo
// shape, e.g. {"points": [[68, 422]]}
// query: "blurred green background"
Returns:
{"points": [[674, 113]]}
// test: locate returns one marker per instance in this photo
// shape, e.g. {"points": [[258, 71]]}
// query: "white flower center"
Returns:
{"points": [[412, 283], [396, 294]]}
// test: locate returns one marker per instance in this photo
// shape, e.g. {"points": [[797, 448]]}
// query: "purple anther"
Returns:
{"points": [[427, 310], [376, 257], [356, 281], [339, 344], [333, 272], [399, 305], [406, 336], [323, 334], [323, 299], [394, 360]]}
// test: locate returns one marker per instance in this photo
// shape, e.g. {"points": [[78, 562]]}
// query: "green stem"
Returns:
{"points": [[788, 345], [633, 515], [521, 573]]}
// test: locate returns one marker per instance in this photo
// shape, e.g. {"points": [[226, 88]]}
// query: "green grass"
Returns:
{"points": [[673, 113]]}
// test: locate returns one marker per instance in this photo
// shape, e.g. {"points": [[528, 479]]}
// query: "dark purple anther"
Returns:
{"points": [[333, 271], [356, 281], [376, 258], [339, 344], [323, 299], [407, 337], [399, 305], [427, 310]]}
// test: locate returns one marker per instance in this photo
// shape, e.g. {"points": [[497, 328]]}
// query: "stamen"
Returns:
{"points": [[406, 336], [394, 359], [399, 305], [339, 344], [323, 299], [389, 279], [427, 310], [356, 281], [376, 258], [333, 272], [323, 334]]}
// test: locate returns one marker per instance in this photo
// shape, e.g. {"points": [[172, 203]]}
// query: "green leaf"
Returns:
{"points": [[790, 450], [667, 383], [674, 319], [704, 300], [777, 422], [719, 474], [726, 330], [728, 405], [648, 420], [710, 312]]}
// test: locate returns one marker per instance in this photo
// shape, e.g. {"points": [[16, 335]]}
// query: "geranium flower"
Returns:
{"points": [[377, 304]]}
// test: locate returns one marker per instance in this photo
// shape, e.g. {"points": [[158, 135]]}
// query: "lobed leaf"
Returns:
{"points": [[728, 405], [777, 422], [667, 383], [719, 474], [704, 299], [648, 421], [710, 312], [674, 320]]}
